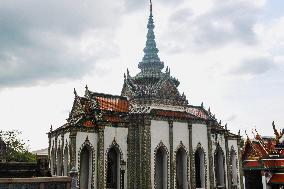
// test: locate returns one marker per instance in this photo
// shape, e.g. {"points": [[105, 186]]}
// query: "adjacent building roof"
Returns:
{"points": [[41, 152], [267, 154]]}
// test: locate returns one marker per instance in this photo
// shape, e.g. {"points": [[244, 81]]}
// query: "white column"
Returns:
{"points": [[264, 182]]}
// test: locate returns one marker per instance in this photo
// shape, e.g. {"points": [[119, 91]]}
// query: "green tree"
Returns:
{"points": [[16, 148]]}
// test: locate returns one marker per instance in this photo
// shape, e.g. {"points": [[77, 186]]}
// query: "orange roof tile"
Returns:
{"points": [[113, 104]]}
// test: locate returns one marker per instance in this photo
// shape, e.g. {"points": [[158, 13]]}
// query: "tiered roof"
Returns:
{"points": [[150, 91]]}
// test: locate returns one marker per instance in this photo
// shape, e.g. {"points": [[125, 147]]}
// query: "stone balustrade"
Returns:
{"points": [[36, 183]]}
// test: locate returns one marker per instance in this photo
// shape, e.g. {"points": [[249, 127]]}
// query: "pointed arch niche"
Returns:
{"points": [[114, 159], [161, 166], [219, 167], [65, 160], [86, 165], [200, 167], [59, 161], [181, 167]]}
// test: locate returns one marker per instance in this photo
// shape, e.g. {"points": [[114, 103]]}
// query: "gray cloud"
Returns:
{"points": [[231, 117], [256, 66], [40, 40], [226, 22]]}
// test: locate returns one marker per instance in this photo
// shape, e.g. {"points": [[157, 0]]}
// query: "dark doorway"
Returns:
{"points": [[253, 179]]}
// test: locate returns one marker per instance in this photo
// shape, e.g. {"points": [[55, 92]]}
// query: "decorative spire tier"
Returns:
{"points": [[151, 86], [151, 62]]}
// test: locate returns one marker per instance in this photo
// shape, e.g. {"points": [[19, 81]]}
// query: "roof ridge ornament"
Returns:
{"points": [[75, 92]]}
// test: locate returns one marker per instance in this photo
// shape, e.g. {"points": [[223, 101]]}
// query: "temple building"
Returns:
{"points": [[147, 137], [263, 161]]}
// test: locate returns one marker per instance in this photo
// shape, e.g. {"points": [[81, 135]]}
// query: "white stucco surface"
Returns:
{"points": [[180, 134]]}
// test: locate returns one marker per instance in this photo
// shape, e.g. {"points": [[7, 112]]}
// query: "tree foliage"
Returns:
{"points": [[16, 148]]}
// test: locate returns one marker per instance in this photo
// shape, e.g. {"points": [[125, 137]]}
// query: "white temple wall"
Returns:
{"points": [[80, 139], [180, 134], [199, 135], [118, 134], [159, 133]]}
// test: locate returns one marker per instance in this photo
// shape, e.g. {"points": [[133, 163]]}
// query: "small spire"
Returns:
{"points": [[75, 92], [50, 128], [202, 104], [87, 92]]}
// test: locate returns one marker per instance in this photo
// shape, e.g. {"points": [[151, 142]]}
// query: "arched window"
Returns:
{"points": [[181, 169], [85, 167], [59, 162], [113, 168], [65, 165], [199, 158], [219, 167], [234, 168], [161, 168]]}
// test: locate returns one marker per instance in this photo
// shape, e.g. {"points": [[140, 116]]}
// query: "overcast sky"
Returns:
{"points": [[228, 54]]}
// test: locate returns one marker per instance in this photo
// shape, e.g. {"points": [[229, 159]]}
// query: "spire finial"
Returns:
{"points": [[151, 7], [75, 92]]}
